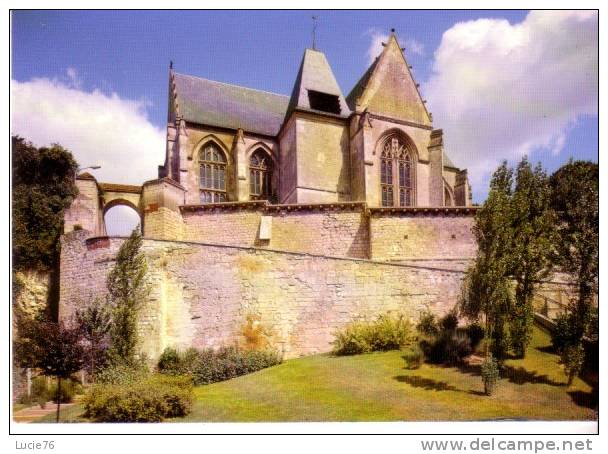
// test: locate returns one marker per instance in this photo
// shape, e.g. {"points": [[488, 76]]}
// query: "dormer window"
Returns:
{"points": [[324, 102]]}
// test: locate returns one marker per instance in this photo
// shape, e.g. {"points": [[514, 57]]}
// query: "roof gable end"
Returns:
{"points": [[388, 88]]}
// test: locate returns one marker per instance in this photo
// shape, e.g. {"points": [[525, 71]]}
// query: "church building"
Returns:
{"points": [[377, 145], [305, 211]]}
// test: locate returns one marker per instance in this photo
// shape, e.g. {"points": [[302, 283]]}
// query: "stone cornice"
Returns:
{"points": [[224, 206], [263, 205], [452, 211], [400, 122]]}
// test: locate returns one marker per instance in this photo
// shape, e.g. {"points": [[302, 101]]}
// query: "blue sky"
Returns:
{"points": [[120, 60]]}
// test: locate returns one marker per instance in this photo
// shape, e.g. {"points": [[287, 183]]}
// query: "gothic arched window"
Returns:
{"points": [[260, 175], [396, 173], [213, 174]]}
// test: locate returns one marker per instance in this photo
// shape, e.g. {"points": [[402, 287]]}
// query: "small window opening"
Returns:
{"points": [[324, 102]]}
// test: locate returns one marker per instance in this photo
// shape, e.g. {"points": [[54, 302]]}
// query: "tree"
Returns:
{"points": [[53, 347], [575, 199], [95, 322], [486, 290], [43, 187], [532, 224], [127, 291]]}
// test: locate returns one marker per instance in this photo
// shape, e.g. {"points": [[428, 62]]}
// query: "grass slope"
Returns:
{"points": [[377, 387]]}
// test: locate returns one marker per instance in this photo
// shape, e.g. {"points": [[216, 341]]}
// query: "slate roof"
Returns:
{"points": [[315, 74], [357, 90], [223, 105], [212, 103]]}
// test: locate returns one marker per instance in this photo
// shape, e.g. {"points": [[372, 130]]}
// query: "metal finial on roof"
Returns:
{"points": [[392, 30], [170, 64], [314, 32]]}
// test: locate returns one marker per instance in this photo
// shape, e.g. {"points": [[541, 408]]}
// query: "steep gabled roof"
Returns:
{"points": [[355, 93], [388, 88], [315, 74], [207, 102]]}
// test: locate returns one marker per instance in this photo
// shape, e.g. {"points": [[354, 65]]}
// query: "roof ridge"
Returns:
{"points": [[232, 85]]}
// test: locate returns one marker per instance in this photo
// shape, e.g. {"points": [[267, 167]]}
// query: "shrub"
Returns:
{"points": [[448, 347], [210, 366], [573, 358], [69, 388], [121, 374], [449, 322], [476, 334], [169, 360], [40, 386], [427, 324], [151, 399], [564, 333], [443, 342], [413, 357], [489, 374], [390, 333], [39, 392], [385, 333]]}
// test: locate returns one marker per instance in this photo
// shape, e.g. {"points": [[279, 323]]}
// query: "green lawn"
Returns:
{"points": [[377, 387]]}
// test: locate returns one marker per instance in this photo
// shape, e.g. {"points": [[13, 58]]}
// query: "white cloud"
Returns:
{"points": [[99, 129], [74, 79], [375, 45], [412, 46], [502, 90]]}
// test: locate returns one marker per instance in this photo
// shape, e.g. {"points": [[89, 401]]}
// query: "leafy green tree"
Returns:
{"points": [[532, 225], [127, 291], [95, 322], [43, 187], [575, 199], [53, 347], [486, 290]]}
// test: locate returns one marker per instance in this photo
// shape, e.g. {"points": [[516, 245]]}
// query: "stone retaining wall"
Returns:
{"points": [[201, 294]]}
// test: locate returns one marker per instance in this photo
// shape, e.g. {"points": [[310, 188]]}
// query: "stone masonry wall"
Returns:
{"points": [[402, 236], [335, 232], [201, 294]]}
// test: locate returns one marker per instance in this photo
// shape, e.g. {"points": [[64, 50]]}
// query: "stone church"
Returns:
{"points": [[307, 211], [227, 143]]}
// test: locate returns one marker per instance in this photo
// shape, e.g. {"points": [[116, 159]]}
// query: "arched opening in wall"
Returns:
{"points": [[398, 159], [260, 175], [213, 164], [120, 220]]}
